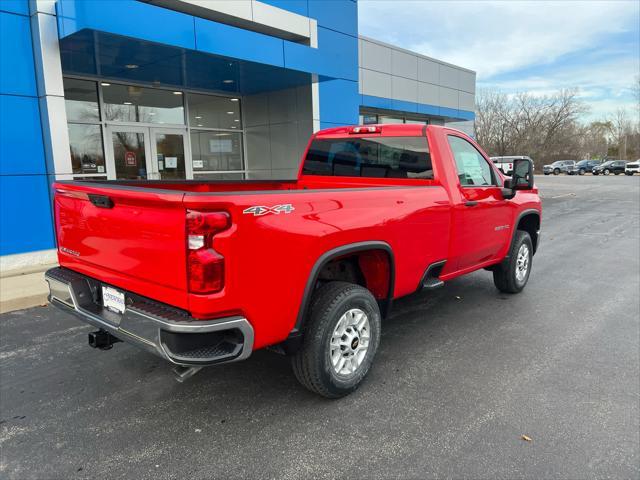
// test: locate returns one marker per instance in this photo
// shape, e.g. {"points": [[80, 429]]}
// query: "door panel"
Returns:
{"points": [[170, 155], [130, 150], [482, 216]]}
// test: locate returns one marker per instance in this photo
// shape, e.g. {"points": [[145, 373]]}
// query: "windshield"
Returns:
{"points": [[582, 163], [607, 163]]}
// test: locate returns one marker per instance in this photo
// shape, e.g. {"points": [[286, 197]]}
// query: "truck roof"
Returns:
{"points": [[387, 129]]}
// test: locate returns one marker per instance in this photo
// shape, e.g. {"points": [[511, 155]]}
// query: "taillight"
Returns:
{"points": [[205, 266]]}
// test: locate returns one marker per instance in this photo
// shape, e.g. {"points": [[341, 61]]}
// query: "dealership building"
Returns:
{"points": [[189, 89]]}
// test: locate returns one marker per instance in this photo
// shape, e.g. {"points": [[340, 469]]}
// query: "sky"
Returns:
{"points": [[523, 46]]}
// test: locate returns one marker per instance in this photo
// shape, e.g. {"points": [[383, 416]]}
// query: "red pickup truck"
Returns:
{"points": [[202, 272]]}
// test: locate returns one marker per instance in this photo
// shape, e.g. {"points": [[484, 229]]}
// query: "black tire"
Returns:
{"points": [[312, 363], [546, 173], [616, 173], [582, 171], [504, 274], [556, 171], [607, 171], [628, 173]]}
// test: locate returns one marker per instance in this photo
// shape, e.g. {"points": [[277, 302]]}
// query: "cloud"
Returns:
{"points": [[521, 45], [495, 37]]}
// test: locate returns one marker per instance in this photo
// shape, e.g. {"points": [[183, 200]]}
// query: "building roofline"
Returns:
{"points": [[411, 52]]}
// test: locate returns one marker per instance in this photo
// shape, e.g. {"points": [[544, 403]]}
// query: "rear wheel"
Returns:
{"points": [[341, 338], [512, 274]]}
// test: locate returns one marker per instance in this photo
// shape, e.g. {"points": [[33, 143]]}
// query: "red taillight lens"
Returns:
{"points": [[205, 266]]}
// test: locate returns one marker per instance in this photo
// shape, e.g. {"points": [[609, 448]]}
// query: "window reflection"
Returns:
{"points": [[214, 112], [216, 150], [129, 103], [87, 154], [81, 100]]}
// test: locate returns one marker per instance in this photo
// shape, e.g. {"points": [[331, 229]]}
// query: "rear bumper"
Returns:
{"points": [[160, 329]]}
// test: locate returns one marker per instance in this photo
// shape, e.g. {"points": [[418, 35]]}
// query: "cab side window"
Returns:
{"points": [[473, 169]]}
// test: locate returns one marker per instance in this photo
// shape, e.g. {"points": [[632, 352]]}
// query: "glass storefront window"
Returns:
{"points": [[207, 111], [216, 151], [87, 153], [383, 119], [81, 100], [129, 103], [369, 119]]}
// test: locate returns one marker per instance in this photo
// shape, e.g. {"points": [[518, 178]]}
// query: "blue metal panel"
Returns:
{"points": [[339, 15], [324, 125], [377, 102], [25, 223], [404, 106], [127, 17], [17, 74], [300, 7], [428, 109], [220, 39], [21, 7], [336, 55], [466, 115], [449, 112], [21, 149], [339, 101]]}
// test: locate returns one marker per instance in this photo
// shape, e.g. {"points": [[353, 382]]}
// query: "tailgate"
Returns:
{"points": [[131, 237]]}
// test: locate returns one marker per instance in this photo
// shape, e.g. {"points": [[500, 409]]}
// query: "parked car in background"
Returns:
{"points": [[582, 167], [632, 167], [611, 166], [505, 164], [561, 166]]}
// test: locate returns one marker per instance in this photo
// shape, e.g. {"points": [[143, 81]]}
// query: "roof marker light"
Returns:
{"points": [[370, 129]]}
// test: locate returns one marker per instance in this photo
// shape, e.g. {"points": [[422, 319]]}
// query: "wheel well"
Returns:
{"points": [[530, 223], [369, 268]]}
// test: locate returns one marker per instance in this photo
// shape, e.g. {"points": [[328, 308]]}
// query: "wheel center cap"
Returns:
{"points": [[354, 343]]}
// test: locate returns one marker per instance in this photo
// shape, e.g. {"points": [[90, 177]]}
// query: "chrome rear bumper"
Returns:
{"points": [[158, 328]]}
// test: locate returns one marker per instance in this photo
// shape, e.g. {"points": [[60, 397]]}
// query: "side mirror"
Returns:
{"points": [[522, 178]]}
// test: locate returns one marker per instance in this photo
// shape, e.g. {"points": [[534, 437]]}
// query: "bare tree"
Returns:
{"points": [[543, 127]]}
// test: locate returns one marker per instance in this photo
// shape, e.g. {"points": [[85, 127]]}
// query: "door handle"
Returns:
{"points": [[470, 203]]}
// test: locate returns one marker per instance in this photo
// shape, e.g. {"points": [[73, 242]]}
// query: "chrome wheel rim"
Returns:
{"points": [[350, 342], [522, 263]]}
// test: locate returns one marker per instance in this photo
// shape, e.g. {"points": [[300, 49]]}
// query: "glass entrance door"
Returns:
{"points": [[169, 152], [130, 153], [148, 153]]}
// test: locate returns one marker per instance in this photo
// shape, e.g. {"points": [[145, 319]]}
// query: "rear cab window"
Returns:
{"points": [[370, 157]]}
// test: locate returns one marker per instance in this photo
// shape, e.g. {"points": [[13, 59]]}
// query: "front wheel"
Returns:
{"points": [[607, 171], [556, 171], [340, 340], [512, 274], [582, 171]]}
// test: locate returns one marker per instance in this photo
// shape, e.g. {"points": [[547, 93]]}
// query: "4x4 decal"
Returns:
{"points": [[260, 210]]}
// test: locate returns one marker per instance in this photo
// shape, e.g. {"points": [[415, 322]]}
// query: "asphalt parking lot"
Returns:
{"points": [[462, 373]]}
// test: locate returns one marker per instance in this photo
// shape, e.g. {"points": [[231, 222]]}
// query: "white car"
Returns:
{"points": [[632, 167], [505, 164]]}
